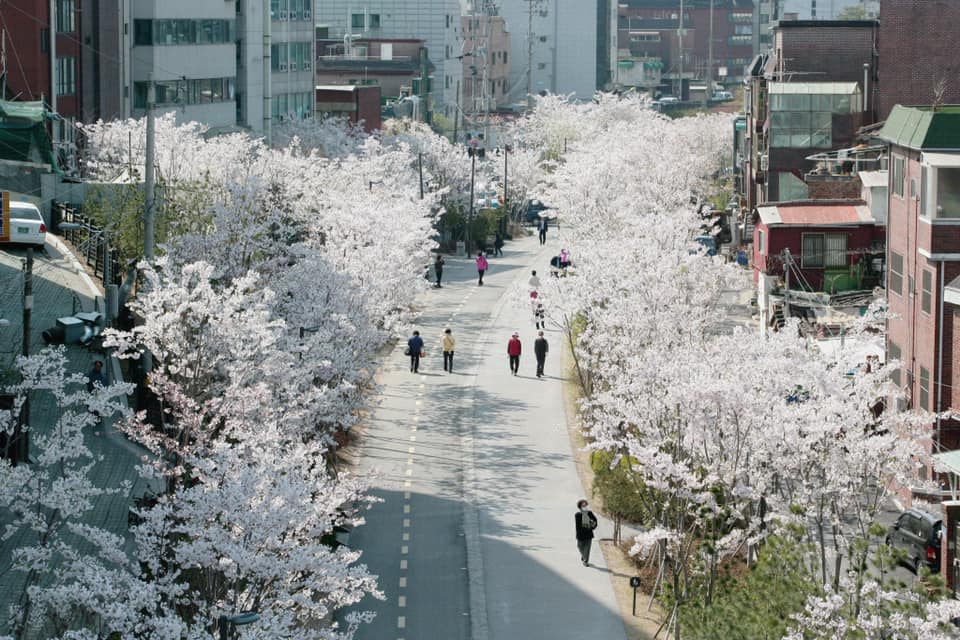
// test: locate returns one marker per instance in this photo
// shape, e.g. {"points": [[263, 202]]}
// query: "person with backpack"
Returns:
{"points": [[415, 350], [585, 522], [482, 265], [498, 245]]}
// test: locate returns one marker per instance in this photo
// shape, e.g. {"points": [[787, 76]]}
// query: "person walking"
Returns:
{"points": [[482, 265], [513, 350], [543, 231], [564, 259], [539, 317], [415, 350], [534, 281], [540, 349], [585, 522], [498, 245], [96, 376], [438, 268], [448, 343]]}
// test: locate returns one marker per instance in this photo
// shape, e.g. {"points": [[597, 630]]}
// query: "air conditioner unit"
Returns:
{"points": [[306, 14], [284, 15], [283, 66], [306, 66], [764, 162]]}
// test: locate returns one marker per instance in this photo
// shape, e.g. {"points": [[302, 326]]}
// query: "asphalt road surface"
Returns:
{"points": [[474, 538]]}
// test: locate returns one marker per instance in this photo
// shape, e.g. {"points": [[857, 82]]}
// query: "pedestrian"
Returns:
{"points": [[498, 245], [513, 350], [438, 268], [448, 344], [540, 349], [96, 376], [534, 281], [585, 522], [539, 317], [481, 266], [543, 231], [564, 259], [415, 351]]}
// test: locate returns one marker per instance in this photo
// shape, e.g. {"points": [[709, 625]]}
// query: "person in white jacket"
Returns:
{"points": [[449, 344]]}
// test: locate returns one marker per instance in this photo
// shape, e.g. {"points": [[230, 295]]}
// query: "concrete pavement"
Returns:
{"points": [[475, 537], [61, 288]]}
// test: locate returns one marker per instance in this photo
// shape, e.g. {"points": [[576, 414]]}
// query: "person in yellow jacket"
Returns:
{"points": [[448, 346]]}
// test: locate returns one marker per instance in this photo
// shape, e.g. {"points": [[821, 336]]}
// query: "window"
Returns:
{"points": [[448, 20], [66, 16], [824, 250], [66, 76], [185, 92], [926, 291], [924, 389], [948, 192], [504, 57], [896, 273], [541, 66], [374, 21], [893, 353], [275, 57], [142, 32], [898, 175], [761, 241]]}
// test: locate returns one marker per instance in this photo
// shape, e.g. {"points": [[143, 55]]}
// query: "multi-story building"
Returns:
{"points": [[804, 98], [396, 65], [437, 22], [650, 29], [923, 260], [832, 9], [486, 62], [188, 50], [919, 61], [558, 46], [766, 14]]}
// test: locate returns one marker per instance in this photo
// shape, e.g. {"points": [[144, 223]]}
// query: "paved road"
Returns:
{"points": [[474, 538]]}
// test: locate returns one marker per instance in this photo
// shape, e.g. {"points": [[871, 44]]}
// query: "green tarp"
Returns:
{"points": [[23, 133]]}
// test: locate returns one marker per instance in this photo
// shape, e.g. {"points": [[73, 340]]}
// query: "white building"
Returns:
{"points": [[188, 48], [437, 22], [206, 59], [553, 47]]}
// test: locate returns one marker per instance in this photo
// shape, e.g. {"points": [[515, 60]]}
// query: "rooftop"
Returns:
{"points": [[873, 178], [922, 127], [825, 24], [817, 213]]}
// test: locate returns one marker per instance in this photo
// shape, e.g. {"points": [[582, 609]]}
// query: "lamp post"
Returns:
{"points": [[474, 150], [226, 624]]}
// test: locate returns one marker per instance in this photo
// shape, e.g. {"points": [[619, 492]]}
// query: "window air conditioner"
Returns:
{"points": [[283, 15], [283, 66], [306, 14], [764, 162], [306, 66]]}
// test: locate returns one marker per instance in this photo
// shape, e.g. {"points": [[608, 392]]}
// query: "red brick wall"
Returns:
{"points": [[833, 188], [917, 44], [838, 51]]}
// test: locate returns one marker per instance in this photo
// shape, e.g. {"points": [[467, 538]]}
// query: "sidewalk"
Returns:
{"points": [[61, 288]]}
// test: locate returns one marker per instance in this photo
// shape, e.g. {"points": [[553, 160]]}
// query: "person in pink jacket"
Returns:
{"points": [[513, 350], [481, 266]]}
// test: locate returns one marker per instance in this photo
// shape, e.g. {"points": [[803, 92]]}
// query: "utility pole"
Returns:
{"points": [[148, 178], [530, 53], [54, 125], [709, 92], [3, 61], [456, 114], [21, 435], [787, 265], [680, 51], [420, 169], [267, 94]]}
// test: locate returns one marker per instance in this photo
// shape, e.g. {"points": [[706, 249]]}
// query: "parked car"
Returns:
{"points": [[668, 100], [917, 533], [708, 242], [722, 96], [532, 211], [26, 224]]}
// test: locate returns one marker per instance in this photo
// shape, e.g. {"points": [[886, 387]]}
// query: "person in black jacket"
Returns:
{"points": [[438, 268], [540, 348], [414, 347], [585, 522]]}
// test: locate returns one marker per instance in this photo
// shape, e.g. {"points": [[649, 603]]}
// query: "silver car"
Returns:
{"points": [[26, 224]]}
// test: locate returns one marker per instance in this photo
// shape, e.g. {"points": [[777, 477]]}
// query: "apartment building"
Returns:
{"points": [[486, 63], [437, 22]]}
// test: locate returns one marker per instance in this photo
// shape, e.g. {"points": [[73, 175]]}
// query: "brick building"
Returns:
{"points": [[923, 257], [806, 96], [647, 30], [917, 48]]}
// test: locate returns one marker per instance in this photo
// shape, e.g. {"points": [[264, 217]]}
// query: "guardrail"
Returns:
{"points": [[88, 240]]}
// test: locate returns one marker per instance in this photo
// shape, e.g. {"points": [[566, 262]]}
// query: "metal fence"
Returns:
{"points": [[88, 240]]}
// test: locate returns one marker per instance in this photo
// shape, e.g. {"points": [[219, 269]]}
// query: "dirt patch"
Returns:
{"points": [[645, 624]]}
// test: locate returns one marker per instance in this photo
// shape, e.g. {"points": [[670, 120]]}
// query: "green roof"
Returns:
{"points": [[923, 128]]}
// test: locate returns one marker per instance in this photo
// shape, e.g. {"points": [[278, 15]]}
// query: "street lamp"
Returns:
{"points": [[474, 150], [229, 623]]}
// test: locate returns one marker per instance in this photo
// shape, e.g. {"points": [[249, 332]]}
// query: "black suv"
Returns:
{"points": [[918, 534]]}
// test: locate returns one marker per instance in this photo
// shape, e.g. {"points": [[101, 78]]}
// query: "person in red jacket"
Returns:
{"points": [[482, 265], [513, 350]]}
